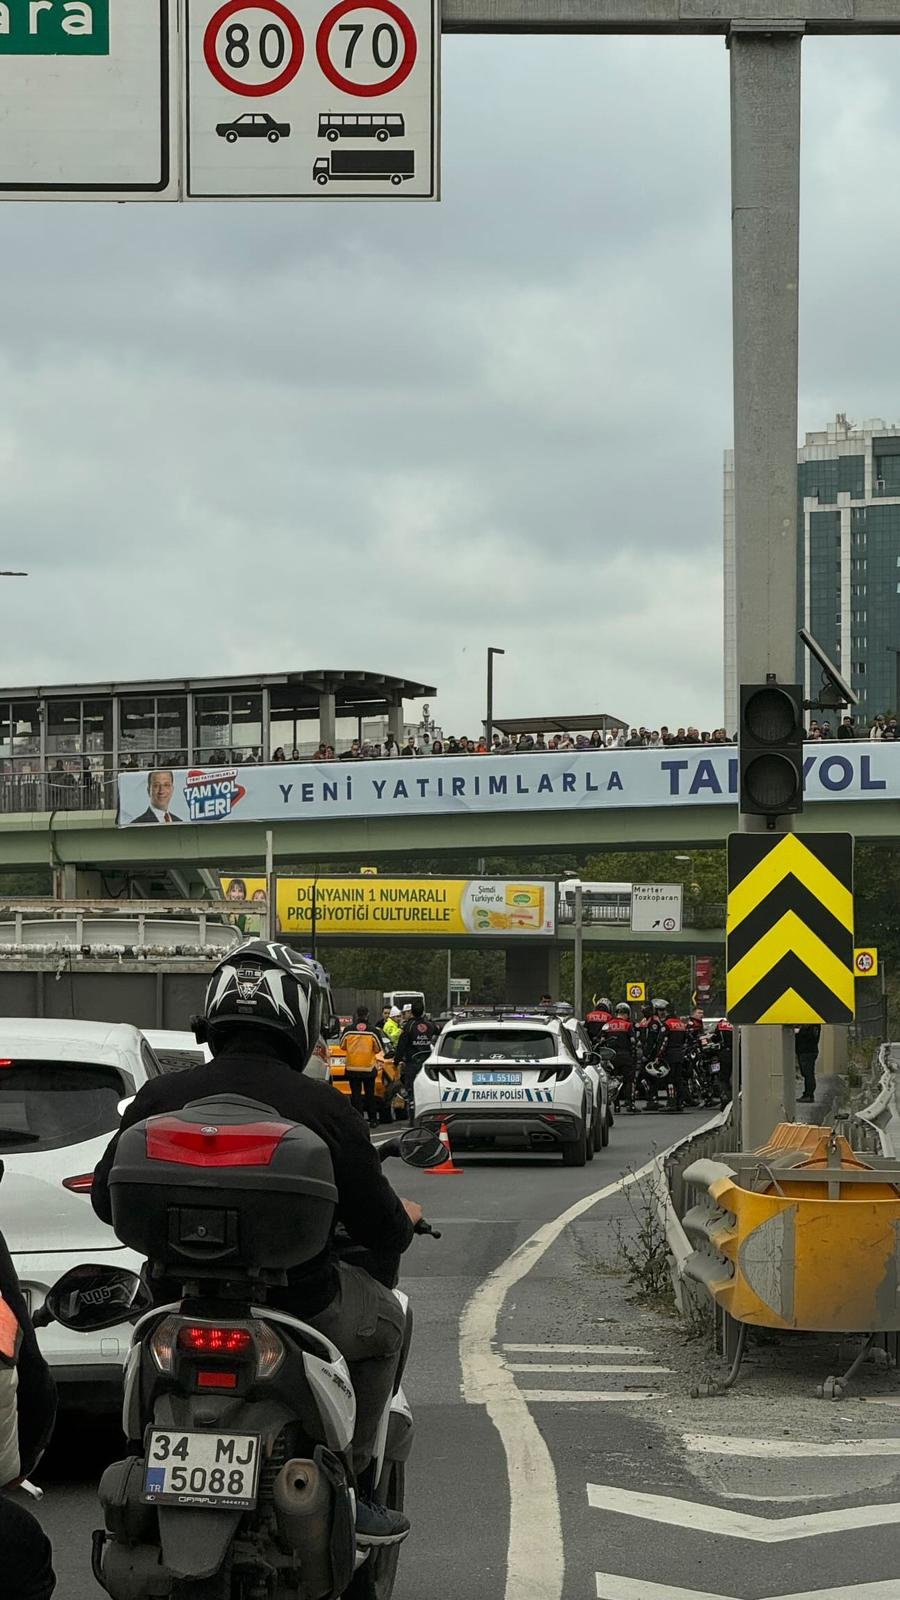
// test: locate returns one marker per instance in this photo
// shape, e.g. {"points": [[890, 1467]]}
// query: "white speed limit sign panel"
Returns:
{"points": [[289, 101]]}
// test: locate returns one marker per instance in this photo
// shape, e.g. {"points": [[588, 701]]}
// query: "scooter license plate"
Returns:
{"points": [[218, 1470]]}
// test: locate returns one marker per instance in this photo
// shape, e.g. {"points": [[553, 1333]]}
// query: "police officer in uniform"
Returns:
{"points": [[619, 1035]]}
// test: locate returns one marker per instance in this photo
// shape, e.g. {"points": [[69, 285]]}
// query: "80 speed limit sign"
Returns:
{"points": [[332, 100]]}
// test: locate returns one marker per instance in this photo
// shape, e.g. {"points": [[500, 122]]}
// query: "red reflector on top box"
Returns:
{"points": [[251, 1144]]}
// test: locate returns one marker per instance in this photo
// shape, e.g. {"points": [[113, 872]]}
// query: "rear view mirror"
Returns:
{"points": [[331, 1028], [89, 1297], [419, 1147]]}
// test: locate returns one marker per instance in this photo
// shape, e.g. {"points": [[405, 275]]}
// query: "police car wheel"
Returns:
{"points": [[575, 1154], [604, 1131], [590, 1146]]}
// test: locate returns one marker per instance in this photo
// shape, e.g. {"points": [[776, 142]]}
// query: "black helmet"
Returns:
{"points": [[264, 985], [623, 1009]]}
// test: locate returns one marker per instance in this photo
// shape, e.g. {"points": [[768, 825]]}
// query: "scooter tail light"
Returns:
{"points": [[162, 1343]]}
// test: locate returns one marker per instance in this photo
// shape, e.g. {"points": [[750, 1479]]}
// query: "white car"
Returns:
{"points": [[604, 1089], [509, 1080], [61, 1087], [175, 1050]]}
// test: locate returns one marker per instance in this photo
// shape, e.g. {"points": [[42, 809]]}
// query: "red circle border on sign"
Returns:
{"points": [[367, 89], [230, 9]]}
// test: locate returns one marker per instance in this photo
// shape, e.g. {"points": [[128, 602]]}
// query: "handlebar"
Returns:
{"points": [[425, 1227]]}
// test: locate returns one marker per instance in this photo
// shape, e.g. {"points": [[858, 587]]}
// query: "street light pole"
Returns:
{"points": [[493, 650], [579, 950]]}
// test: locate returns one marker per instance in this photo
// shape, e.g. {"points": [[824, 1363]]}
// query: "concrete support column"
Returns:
{"points": [[76, 883], [765, 188], [834, 1057], [327, 733], [531, 972], [395, 721]]}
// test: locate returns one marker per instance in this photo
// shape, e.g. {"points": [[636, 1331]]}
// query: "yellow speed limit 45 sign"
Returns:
{"points": [[865, 962], [636, 991]]}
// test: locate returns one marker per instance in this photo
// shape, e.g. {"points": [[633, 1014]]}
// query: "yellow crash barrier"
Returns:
{"points": [[803, 1233]]}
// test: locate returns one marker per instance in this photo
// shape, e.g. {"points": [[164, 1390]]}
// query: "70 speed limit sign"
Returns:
{"points": [[334, 100]]}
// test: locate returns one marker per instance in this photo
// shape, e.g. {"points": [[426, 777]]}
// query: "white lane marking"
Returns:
{"points": [[691, 1514], [726, 1444], [535, 1561], [881, 1399], [611, 1587], [573, 1396], [577, 1366], [575, 1349]]}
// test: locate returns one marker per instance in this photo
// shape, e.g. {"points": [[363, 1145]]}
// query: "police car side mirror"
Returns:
{"points": [[89, 1297], [123, 1105], [331, 1028]]}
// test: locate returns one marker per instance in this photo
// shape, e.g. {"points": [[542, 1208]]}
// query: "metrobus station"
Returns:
{"points": [[61, 747]]}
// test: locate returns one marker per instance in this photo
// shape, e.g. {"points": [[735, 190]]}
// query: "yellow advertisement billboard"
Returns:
{"points": [[379, 907]]}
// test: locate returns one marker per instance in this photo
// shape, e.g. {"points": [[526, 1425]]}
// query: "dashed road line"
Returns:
{"points": [[578, 1366], [699, 1518], [575, 1349], [724, 1444], [610, 1586], [595, 1396]]}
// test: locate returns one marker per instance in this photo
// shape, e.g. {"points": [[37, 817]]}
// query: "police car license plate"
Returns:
{"points": [[201, 1469], [496, 1077]]}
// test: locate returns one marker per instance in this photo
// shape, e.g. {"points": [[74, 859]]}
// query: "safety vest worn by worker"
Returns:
{"points": [[361, 1047]]}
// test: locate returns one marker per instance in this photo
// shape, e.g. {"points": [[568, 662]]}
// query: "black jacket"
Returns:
{"points": [[368, 1209]]}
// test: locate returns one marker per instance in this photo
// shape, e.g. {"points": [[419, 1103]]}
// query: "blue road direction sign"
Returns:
{"points": [[88, 90]]}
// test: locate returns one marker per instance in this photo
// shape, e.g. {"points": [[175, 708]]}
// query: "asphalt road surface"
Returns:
{"points": [[558, 1456]]}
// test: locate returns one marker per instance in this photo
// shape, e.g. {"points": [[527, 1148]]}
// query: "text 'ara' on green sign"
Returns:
{"points": [[54, 27]]}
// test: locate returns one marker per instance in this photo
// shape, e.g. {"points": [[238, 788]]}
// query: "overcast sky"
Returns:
{"points": [[386, 436]]}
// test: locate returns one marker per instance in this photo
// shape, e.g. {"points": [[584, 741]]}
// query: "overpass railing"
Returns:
{"points": [[705, 914]]}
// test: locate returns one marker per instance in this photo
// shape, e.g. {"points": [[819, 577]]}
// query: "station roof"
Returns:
{"points": [[355, 692], [601, 720]]}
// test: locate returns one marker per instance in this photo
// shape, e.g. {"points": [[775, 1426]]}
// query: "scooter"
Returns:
{"points": [[239, 1485]]}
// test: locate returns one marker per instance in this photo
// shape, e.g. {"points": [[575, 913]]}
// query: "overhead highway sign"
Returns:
{"points": [[87, 93], [290, 102]]}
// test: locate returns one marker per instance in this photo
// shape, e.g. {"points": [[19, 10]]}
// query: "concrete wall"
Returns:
{"points": [[149, 998]]}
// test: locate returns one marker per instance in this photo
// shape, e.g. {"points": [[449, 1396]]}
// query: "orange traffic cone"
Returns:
{"points": [[448, 1167]]}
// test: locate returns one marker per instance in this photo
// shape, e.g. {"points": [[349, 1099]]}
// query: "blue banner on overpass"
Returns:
{"points": [[430, 786]]}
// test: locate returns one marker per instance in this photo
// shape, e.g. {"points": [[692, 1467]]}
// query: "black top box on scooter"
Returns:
{"points": [[224, 1185]]}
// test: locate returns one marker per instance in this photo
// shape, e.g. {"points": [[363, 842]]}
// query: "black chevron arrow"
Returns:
{"points": [[790, 895], [790, 973]]}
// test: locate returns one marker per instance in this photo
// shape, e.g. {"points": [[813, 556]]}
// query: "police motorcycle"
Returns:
{"points": [[239, 1486]]}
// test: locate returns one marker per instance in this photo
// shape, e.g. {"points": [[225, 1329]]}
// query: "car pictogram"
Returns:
{"points": [[253, 125]]}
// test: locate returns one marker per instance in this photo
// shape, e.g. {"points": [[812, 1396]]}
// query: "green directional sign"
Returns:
{"points": [[54, 27]]}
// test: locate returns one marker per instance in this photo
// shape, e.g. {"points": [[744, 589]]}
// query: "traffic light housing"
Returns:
{"points": [[770, 750]]}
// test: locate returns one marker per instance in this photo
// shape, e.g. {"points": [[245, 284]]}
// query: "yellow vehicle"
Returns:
{"points": [[388, 1086]]}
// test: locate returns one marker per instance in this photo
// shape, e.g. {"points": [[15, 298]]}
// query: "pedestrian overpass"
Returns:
{"points": [[387, 811]]}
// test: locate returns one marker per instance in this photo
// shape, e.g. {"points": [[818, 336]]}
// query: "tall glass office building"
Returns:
{"points": [[848, 562]]}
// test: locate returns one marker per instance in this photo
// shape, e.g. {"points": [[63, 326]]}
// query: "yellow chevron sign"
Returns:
{"points": [[789, 946]]}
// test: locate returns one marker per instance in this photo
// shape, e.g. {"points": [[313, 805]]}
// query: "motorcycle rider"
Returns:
{"points": [[262, 1020], [619, 1035], [671, 1053], [27, 1414], [722, 1042], [648, 1032], [596, 1019]]}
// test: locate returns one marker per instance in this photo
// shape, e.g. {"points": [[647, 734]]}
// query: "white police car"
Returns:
{"points": [[509, 1081]]}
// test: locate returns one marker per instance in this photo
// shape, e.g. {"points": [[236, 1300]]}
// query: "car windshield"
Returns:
{"points": [[46, 1104], [499, 1044]]}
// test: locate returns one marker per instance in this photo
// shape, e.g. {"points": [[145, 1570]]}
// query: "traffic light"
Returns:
{"points": [[771, 749]]}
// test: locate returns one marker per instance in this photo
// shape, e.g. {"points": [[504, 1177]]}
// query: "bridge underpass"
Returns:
{"points": [[90, 841]]}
